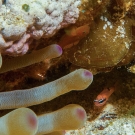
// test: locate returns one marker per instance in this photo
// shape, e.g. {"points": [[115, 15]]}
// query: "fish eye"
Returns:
{"points": [[101, 100]]}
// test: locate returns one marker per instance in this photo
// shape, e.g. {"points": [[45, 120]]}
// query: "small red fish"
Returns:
{"points": [[73, 35], [103, 96]]}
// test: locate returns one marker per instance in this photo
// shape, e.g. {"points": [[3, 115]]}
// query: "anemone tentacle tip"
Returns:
{"points": [[59, 49], [88, 74], [32, 120], [81, 113]]}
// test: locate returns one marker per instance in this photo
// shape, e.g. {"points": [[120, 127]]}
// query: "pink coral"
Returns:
{"points": [[18, 48]]}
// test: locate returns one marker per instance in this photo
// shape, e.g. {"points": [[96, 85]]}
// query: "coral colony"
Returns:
{"points": [[22, 21]]}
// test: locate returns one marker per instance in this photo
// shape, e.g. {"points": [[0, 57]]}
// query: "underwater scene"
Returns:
{"points": [[67, 67]]}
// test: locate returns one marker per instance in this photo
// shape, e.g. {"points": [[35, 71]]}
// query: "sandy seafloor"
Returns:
{"points": [[110, 121]]}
